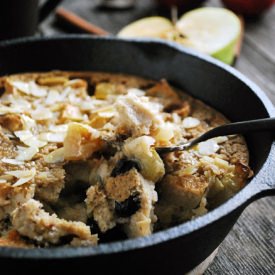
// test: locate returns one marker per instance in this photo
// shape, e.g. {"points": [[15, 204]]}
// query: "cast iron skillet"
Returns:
{"points": [[178, 249]]}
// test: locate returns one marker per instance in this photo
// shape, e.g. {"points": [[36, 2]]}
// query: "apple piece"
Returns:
{"points": [[214, 31], [81, 141], [154, 27]]}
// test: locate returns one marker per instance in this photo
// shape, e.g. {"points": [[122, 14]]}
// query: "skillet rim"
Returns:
{"points": [[251, 190]]}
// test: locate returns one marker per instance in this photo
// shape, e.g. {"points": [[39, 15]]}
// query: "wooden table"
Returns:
{"points": [[250, 247]]}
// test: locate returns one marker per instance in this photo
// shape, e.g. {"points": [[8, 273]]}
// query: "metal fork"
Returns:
{"points": [[266, 124]]}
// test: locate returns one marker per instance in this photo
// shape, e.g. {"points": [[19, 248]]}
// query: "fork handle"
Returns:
{"points": [[265, 124]]}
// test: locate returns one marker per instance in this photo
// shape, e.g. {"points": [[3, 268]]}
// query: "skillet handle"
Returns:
{"points": [[265, 185]]}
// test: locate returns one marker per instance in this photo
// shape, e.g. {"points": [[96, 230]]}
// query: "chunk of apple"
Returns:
{"points": [[80, 142]]}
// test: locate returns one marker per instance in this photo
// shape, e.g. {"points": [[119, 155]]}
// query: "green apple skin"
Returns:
{"points": [[226, 54]]}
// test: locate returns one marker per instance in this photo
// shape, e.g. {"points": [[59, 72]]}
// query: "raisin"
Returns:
{"points": [[124, 165], [66, 239], [112, 235], [128, 207], [2, 90], [94, 228], [91, 89]]}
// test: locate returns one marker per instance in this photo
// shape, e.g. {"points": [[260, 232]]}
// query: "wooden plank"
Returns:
{"points": [[261, 34], [258, 68], [249, 248]]}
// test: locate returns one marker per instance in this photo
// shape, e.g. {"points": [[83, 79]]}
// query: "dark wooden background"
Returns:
{"points": [[250, 247]]}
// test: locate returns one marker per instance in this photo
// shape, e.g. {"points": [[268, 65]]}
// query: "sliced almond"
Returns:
{"points": [[29, 139], [106, 112], [12, 161], [72, 112], [41, 114], [8, 110], [27, 153], [28, 122], [22, 175], [21, 86], [53, 137], [190, 122], [55, 156], [58, 128], [208, 147], [53, 97], [136, 92], [221, 139]]}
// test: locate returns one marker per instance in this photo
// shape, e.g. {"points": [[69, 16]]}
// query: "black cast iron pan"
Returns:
{"points": [[178, 249]]}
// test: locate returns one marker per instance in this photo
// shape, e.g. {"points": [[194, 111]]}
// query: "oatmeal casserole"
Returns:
{"points": [[78, 164]]}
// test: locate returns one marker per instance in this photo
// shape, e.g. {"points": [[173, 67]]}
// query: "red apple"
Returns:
{"points": [[181, 4], [248, 7]]}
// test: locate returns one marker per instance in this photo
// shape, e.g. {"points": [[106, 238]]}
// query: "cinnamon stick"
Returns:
{"points": [[79, 22]]}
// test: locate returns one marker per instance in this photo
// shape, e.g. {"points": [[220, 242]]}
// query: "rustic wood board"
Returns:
{"points": [[250, 246]]}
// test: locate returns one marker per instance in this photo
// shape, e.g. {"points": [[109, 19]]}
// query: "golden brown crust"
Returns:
{"points": [[89, 122], [13, 239]]}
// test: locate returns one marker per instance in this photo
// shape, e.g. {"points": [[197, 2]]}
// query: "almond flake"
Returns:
{"points": [[208, 147], [41, 114], [106, 112], [55, 156], [53, 97], [8, 110], [21, 86], [22, 181], [23, 175], [136, 92], [12, 161], [58, 128], [221, 139], [36, 90], [28, 122], [34, 142], [86, 105], [24, 134], [19, 102], [29, 139], [190, 122], [72, 112], [27, 153], [52, 137]]}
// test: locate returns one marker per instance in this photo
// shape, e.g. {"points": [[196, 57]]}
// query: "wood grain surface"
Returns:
{"points": [[250, 246]]}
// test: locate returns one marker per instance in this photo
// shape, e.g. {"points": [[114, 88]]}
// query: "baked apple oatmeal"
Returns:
{"points": [[78, 164]]}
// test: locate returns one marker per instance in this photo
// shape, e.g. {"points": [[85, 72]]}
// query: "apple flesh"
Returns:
{"points": [[248, 7]]}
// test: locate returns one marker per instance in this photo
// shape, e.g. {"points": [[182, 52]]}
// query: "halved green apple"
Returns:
{"points": [[214, 31], [155, 27]]}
